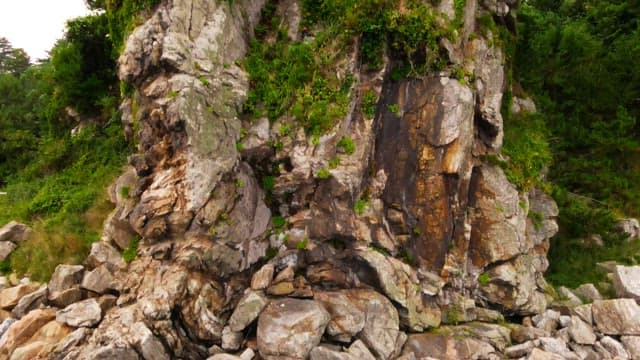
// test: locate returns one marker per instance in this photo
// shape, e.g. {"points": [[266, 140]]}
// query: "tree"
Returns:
{"points": [[14, 61]]}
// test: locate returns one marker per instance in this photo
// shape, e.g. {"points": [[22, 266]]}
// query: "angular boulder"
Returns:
{"points": [[14, 232], [616, 317], [86, 313], [10, 297], [364, 314], [6, 248], [64, 278], [626, 281], [99, 280], [247, 310], [290, 328]]}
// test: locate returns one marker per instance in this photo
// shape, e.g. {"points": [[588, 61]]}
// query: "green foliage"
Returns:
{"points": [[527, 146], [484, 279], [279, 222], [12, 61], [293, 78], [379, 249], [347, 145], [124, 191], [268, 183], [333, 163], [574, 57], [369, 104], [360, 206], [203, 80], [131, 252], [122, 17], [395, 109], [62, 193], [323, 173], [302, 245]]}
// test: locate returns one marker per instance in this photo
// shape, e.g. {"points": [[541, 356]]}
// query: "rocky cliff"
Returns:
{"points": [[253, 237]]}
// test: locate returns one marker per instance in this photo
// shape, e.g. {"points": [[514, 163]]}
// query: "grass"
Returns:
{"points": [[62, 195]]}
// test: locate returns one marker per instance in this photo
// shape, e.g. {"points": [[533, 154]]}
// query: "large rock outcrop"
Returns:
{"points": [[412, 227]]}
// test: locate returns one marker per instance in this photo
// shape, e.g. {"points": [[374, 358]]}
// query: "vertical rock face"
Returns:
{"points": [[411, 228]]}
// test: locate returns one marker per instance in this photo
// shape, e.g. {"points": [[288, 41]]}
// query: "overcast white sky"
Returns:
{"points": [[35, 25]]}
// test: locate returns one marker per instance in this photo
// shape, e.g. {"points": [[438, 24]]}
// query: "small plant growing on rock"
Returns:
{"points": [[333, 163], [203, 80], [302, 245], [131, 252], [124, 191], [323, 173], [360, 206], [268, 183], [395, 109], [369, 104], [347, 145], [484, 279], [279, 222]]}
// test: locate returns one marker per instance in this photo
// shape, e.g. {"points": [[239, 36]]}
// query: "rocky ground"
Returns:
{"points": [[282, 317], [414, 245]]}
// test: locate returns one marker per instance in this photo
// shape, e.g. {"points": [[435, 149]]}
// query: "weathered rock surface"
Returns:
{"points": [[30, 302], [291, 328], [86, 313], [616, 317], [247, 310], [6, 248], [99, 280], [626, 281], [64, 279], [22, 330], [14, 232], [446, 347], [10, 297]]}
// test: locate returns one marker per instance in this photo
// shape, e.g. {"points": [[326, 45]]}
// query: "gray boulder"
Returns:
{"points": [[14, 232], [290, 328], [86, 313], [626, 281], [616, 317]]}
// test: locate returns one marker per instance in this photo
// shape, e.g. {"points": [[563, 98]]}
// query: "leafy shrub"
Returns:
{"points": [[347, 145], [369, 104], [526, 145]]}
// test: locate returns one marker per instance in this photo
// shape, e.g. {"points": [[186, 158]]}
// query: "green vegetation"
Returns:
{"points": [[575, 59], [300, 79], [395, 109], [131, 252], [369, 102], [268, 183], [323, 173], [54, 181], [527, 146], [302, 245], [279, 223], [360, 206], [347, 145], [484, 279]]}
